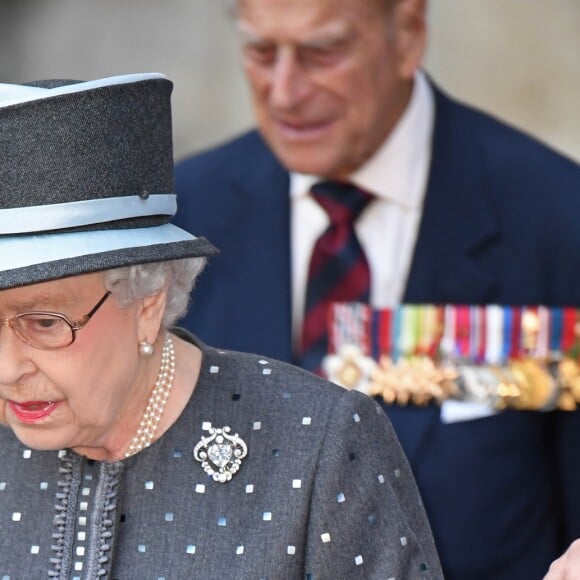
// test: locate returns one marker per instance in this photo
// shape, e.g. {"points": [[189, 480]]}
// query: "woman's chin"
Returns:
{"points": [[40, 441]]}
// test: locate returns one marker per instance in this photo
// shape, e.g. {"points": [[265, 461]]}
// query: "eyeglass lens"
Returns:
{"points": [[43, 330]]}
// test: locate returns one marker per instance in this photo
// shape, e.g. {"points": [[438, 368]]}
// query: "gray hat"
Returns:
{"points": [[86, 178]]}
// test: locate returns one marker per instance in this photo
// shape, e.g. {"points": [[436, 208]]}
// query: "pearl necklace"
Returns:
{"points": [[156, 403]]}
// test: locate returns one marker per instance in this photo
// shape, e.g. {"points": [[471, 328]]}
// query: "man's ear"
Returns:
{"points": [[150, 316], [410, 29]]}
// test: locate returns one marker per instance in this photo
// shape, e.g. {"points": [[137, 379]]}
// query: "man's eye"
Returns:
{"points": [[261, 54], [321, 56]]}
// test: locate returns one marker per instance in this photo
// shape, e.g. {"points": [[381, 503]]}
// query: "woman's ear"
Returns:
{"points": [[150, 316]]}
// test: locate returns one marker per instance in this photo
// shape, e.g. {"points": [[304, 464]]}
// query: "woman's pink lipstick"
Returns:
{"points": [[32, 411]]}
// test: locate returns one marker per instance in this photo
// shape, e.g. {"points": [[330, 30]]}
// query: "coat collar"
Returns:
{"points": [[263, 181]]}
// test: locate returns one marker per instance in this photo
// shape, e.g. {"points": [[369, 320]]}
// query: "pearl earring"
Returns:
{"points": [[146, 350]]}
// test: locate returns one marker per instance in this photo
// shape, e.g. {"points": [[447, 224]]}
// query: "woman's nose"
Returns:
{"points": [[15, 361]]}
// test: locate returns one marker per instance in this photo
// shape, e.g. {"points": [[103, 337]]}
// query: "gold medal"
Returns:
{"points": [[349, 374], [566, 402], [508, 391], [569, 376], [535, 382], [414, 380], [349, 368]]}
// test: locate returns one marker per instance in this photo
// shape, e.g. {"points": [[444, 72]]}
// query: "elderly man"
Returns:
{"points": [[459, 209]]}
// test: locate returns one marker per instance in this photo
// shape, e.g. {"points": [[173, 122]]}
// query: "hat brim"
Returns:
{"points": [[78, 252]]}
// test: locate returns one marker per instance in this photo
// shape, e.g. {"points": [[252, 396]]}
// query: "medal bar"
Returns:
{"points": [[505, 357]]}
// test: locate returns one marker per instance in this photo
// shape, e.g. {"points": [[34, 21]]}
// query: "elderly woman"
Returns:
{"points": [[130, 449]]}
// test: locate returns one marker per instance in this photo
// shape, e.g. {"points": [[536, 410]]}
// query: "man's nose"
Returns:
{"points": [[289, 81]]}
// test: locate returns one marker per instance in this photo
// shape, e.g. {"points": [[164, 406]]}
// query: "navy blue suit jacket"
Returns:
{"points": [[500, 225]]}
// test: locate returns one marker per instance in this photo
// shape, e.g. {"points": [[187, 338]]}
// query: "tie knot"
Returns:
{"points": [[342, 201]]}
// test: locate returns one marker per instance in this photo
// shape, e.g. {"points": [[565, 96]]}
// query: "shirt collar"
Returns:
{"points": [[393, 171]]}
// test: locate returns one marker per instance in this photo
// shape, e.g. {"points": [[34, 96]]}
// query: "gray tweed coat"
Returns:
{"points": [[323, 493]]}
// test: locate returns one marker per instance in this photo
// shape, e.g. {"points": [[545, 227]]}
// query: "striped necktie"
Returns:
{"points": [[338, 268]]}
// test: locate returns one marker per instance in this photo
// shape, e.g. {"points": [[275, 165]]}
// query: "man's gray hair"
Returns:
{"points": [[177, 277]]}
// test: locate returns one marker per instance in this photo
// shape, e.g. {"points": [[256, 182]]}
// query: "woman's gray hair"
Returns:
{"points": [[177, 277]]}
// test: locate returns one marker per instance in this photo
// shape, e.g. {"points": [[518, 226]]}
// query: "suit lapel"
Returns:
{"points": [[264, 206], [458, 221], [457, 226]]}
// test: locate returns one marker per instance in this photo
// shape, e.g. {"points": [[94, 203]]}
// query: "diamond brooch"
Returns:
{"points": [[220, 453]]}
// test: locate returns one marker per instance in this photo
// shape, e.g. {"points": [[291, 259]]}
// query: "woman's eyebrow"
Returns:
{"points": [[42, 302]]}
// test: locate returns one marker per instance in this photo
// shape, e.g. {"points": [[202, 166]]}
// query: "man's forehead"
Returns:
{"points": [[324, 32], [301, 20]]}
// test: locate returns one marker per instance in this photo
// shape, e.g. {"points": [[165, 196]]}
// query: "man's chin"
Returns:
{"points": [[307, 160]]}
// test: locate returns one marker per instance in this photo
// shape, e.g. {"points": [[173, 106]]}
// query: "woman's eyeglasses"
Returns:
{"points": [[48, 330]]}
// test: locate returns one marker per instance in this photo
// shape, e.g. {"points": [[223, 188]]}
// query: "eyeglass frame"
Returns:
{"points": [[74, 325]]}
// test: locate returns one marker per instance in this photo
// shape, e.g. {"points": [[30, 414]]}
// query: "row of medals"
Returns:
{"points": [[523, 383]]}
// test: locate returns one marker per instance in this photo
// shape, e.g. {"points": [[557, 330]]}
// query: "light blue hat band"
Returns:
{"points": [[73, 214]]}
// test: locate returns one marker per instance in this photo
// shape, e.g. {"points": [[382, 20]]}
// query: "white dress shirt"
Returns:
{"points": [[387, 228]]}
